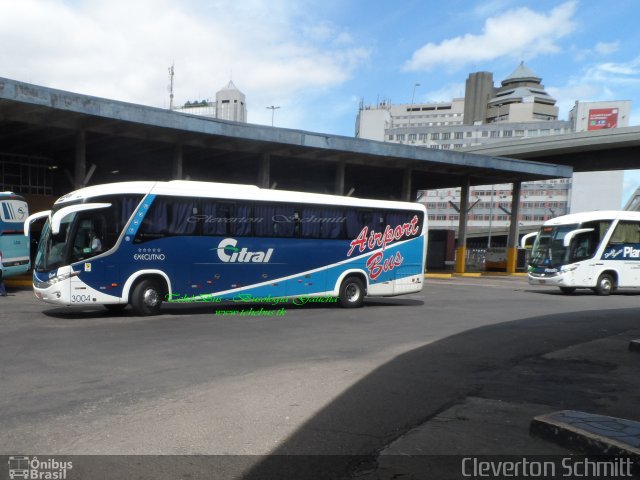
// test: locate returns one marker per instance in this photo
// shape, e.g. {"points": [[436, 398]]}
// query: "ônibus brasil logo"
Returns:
{"points": [[228, 252]]}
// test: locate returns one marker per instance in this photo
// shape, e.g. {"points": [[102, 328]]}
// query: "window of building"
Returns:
{"points": [[400, 137], [435, 136], [446, 146], [458, 135], [485, 133], [519, 133], [507, 133], [390, 137], [469, 134], [413, 136], [446, 135], [495, 133]]}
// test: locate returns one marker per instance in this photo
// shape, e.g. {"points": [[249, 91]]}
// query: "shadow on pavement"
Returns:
{"points": [[417, 385]]}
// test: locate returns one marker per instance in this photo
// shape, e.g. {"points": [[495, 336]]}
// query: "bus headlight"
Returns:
{"points": [[568, 268], [60, 278]]}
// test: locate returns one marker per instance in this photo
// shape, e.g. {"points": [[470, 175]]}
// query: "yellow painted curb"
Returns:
{"points": [[503, 274], [468, 274], [438, 275], [16, 282]]}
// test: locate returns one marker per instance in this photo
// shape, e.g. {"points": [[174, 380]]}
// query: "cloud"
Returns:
{"points": [[600, 82], [519, 33], [604, 48], [122, 49]]}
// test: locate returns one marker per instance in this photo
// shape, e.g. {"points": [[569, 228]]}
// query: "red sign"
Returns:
{"points": [[601, 118]]}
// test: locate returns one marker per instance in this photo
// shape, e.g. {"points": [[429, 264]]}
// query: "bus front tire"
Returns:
{"points": [[605, 285], [146, 298], [567, 290], [352, 293]]}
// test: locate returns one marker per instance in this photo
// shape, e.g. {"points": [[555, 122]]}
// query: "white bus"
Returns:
{"points": [[597, 250], [142, 243]]}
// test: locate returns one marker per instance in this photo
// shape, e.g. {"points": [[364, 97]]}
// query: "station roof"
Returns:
{"points": [[38, 121], [590, 151]]}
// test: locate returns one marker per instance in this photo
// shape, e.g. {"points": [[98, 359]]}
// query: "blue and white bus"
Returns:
{"points": [[598, 250], [14, 246], [140, 243]]}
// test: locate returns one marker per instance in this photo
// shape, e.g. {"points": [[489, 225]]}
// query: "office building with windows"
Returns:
{"points": [[519, 108]]}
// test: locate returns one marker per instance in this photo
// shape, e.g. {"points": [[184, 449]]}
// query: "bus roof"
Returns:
{"points": [[11, 195], [229, 191], [595, 215]]}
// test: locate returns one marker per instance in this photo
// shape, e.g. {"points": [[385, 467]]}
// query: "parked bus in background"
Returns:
{"points": [[597, 250], [14, 246], [193, 241]]}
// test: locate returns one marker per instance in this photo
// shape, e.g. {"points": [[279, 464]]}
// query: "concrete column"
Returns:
{"points": [[406, 185], [461, 247], [514, 229], [264, 171], [339, 182], [178, 159], [80, 168]]}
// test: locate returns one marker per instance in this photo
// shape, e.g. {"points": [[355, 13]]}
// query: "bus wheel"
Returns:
{"points": [[605, 284], [352, 292], [567, 290], [146, 298], [116, 307]]}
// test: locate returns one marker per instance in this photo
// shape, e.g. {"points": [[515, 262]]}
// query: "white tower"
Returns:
{"points": [[230, 104]]}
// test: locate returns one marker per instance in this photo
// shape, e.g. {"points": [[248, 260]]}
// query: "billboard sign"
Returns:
{"points": [[601, 118]]}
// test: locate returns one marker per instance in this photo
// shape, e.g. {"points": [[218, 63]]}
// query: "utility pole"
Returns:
{"points": [[171, 87]]}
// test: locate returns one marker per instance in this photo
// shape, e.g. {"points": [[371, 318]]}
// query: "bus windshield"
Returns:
{"points": [[86, 233], [548, 249]]}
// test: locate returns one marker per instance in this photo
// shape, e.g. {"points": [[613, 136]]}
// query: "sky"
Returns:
{"points": [[319, 60]]}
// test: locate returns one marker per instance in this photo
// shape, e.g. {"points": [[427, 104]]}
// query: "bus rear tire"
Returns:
{"points": [[352, 293], [605, 285], [146, 298], [567, 290]]}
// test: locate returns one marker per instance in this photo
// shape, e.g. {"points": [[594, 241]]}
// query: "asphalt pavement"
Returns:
{"points": [[459, 370]]}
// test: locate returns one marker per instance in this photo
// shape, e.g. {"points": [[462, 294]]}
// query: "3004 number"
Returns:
{"points": [[80, 298]]}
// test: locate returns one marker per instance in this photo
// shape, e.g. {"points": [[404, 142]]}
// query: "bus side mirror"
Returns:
{"points": [[569, 236], [524, 239], [32, 218]]}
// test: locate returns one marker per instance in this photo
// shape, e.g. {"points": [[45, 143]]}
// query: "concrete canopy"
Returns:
{"points": [[126, 141], [609, 149]]}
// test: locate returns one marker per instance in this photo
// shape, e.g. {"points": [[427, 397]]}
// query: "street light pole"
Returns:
{"points": [[413, 96], [273, 111]]}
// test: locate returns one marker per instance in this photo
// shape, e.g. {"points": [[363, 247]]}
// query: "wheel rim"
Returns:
{"points": [[605, 285], [151, 297], [352, 292]]}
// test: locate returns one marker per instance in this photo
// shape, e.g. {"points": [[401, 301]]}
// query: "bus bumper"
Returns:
{"points": [[560, 279]]}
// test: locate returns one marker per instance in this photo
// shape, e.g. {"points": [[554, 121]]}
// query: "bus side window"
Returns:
{"points": [[626, 232]]}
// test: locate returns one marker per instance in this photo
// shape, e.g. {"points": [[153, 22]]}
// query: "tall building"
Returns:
{"points": [[519, 108], [230, 104]]}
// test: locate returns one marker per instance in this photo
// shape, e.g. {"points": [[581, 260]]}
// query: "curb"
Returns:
{"points": [[592, 434], [15, 282]]}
